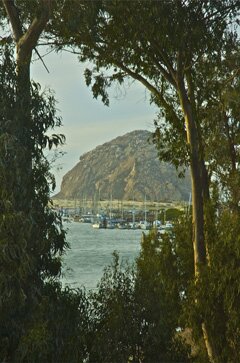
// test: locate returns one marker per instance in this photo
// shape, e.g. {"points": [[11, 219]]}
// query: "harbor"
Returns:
{"points": [[110, 214]]}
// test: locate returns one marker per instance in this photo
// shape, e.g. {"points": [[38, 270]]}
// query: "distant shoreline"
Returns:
{"points": [[117, 204]]}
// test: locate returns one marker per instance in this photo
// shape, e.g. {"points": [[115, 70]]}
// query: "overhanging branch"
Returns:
{"points": [[13, 15], [151, 88]]}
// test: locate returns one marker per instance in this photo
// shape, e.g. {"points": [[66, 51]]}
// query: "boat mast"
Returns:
{"points": [[110, 212], [145, 210]]}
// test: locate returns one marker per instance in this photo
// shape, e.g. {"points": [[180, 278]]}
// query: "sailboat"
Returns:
{"points": [[145, 224]]}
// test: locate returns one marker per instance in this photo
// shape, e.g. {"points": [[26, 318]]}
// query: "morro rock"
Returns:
{"points": [[127, 168]]}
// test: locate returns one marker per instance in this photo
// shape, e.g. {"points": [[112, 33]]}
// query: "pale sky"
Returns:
{"points": [[86, 121]]}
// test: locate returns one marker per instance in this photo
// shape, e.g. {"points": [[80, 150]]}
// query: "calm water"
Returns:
{"points": [[91, 250]]}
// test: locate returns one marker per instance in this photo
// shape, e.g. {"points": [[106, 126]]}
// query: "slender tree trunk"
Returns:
{"points": [[24, 122], [197, 182], [199, 189], [25, 42], [212, 354]]}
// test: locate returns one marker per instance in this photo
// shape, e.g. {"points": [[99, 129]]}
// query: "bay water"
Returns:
{"points": [[91, 250]]}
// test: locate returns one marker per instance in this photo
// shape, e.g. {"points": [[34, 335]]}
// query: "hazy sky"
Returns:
{"points": [[86, 121]]}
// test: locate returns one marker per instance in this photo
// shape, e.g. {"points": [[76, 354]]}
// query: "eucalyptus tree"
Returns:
{"points": [[217, 80], [31, 236], [174, 49], [25, 42]]}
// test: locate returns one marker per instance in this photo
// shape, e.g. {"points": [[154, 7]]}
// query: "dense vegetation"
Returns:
{"points": [[184, 287], [31, 234]]}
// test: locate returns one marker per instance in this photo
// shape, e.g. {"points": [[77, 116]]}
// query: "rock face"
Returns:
{"points": [[126, 167]]}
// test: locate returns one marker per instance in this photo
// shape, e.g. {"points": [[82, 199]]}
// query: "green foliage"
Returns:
{"points": [[158, 294], [135, 312], [220, 287], [165, 274], [32, 239], [173, 214], [58, 329], [215, 298], [115, 325]]}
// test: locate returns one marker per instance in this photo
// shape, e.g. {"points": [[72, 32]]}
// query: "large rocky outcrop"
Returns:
{"points": [[126, 167]]}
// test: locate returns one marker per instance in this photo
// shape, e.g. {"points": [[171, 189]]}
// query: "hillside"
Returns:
{"points": [[126, 167]]}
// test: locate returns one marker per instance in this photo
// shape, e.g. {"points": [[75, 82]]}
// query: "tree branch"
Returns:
{"points": [[41, 59], [151, 88], [29, 40], [13, 15], [164, 72], [223, 12], [165, 59]]}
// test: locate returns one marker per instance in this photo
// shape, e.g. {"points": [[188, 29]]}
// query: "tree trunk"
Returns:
{"points": [[197, 182], [26, 274], [24, 121], [25, 42], [198, 192], [212, 354]]}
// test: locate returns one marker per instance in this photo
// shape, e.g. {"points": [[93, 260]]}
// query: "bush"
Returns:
{"points": [[135, 310]]}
